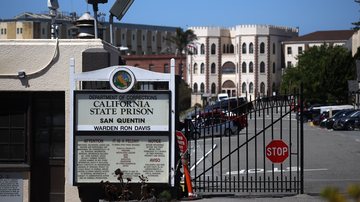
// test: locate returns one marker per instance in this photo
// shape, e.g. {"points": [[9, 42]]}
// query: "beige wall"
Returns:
{"points": [[47, 70]]}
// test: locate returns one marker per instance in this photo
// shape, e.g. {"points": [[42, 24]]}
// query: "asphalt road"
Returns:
{"points": [[331, 158]]}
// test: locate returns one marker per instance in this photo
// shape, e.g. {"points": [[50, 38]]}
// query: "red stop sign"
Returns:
{"points": [[277, 151], [182, 141]]}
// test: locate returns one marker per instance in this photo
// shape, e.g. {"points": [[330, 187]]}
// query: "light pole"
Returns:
{"points": [[118, 10]]}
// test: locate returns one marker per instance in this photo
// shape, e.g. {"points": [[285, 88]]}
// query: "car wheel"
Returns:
{"points": [[228, 132], [196, 135], [349, 126]]}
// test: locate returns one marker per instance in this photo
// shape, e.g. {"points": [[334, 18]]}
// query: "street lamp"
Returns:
{"points": [[118, 10]]}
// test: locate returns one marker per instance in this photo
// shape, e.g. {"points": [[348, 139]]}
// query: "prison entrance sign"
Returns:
{"points": [[122, 127]]}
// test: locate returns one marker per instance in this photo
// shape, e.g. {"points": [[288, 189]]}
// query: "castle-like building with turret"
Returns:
{"points": [[245, 60]]}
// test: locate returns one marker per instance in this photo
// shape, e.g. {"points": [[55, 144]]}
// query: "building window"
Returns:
{"points": [[243, 67], [17, 30], [213, 49], [243, 48], [166, 68], [274, 49], [274, 68], [289, 64], [243, 88], [195, 88], [133, 37], [262, 47], [251, 87], [202, 49], [195, 68], [289, 50], [202, 88], [251, 48], [251, 67], [13, 119], [151, 67], [300, 50], [262, 67], [5, 31], [213, 88], [202, 68], [123, 36], [2, 31], [213, 68], [231, 48], [262, 88], [153, 38], [143, 37]]}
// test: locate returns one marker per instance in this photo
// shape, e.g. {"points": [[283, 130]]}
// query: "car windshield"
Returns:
{"points": [[355, 114]]}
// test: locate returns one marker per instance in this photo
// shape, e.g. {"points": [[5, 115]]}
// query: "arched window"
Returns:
{"points": [[262, 47], [227, 48], [262, 67], [224, 48], [251, 87], [251, 48], [213, 88], [202, 49], [202, 88], [243, 67], [194, 50], [213, 68], [243, 88], [274, 68], [243, 48], [202, 68], [195, 87], [195, 68], [231, 48], [213, 49], [251, 67], [228, 68], [262, 88]]}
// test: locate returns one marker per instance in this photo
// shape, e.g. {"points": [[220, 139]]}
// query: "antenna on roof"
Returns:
{"points": [[53, 5], [96, 9]]}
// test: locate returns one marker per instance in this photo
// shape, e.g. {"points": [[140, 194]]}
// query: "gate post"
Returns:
{"points": [[301, 139]]}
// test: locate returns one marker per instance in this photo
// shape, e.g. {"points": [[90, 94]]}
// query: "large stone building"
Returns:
{"points": [[241, 60], [139, 39]]}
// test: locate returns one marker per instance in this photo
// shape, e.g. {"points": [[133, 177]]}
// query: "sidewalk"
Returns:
{"points": [[260, 198]]}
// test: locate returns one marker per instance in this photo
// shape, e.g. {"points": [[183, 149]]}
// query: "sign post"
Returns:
{"points": [[277, 151], [116, 128]]}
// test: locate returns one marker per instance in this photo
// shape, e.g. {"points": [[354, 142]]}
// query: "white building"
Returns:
{"points": [[241, 60], [296, 46]]}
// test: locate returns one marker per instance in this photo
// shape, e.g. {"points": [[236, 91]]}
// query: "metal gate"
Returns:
{"points": [[228, 145]]}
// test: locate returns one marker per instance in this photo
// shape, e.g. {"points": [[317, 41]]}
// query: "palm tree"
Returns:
{"points": [[182, 40]]}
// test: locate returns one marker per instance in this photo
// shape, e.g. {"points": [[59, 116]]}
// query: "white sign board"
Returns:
{"points": [[122, 112], [11, 187], [98, 157]]}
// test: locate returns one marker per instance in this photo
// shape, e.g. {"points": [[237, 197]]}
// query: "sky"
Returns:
{"points": [[308, 15]]}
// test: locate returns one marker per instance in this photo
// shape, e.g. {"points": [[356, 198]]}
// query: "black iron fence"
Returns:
{"points": [[256, 146]]}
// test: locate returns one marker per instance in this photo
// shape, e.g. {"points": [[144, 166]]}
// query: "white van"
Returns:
{"points": [[222, 96], [332, 108]]}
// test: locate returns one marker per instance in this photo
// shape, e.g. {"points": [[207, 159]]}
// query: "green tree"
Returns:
{"points": [[181, 40], [324, 71]]}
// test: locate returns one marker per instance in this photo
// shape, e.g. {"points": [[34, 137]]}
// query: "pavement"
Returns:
{"points": [[257, 198]]}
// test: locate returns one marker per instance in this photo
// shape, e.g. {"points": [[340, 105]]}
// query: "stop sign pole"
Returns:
{"points": [[277, 151]]}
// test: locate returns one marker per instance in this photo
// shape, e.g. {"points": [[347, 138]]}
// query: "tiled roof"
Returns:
{"points": [[334, 35]]}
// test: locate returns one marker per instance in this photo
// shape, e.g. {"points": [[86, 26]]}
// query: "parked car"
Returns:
{"points": [[349, 122], [329, 122], [212, 127]]}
